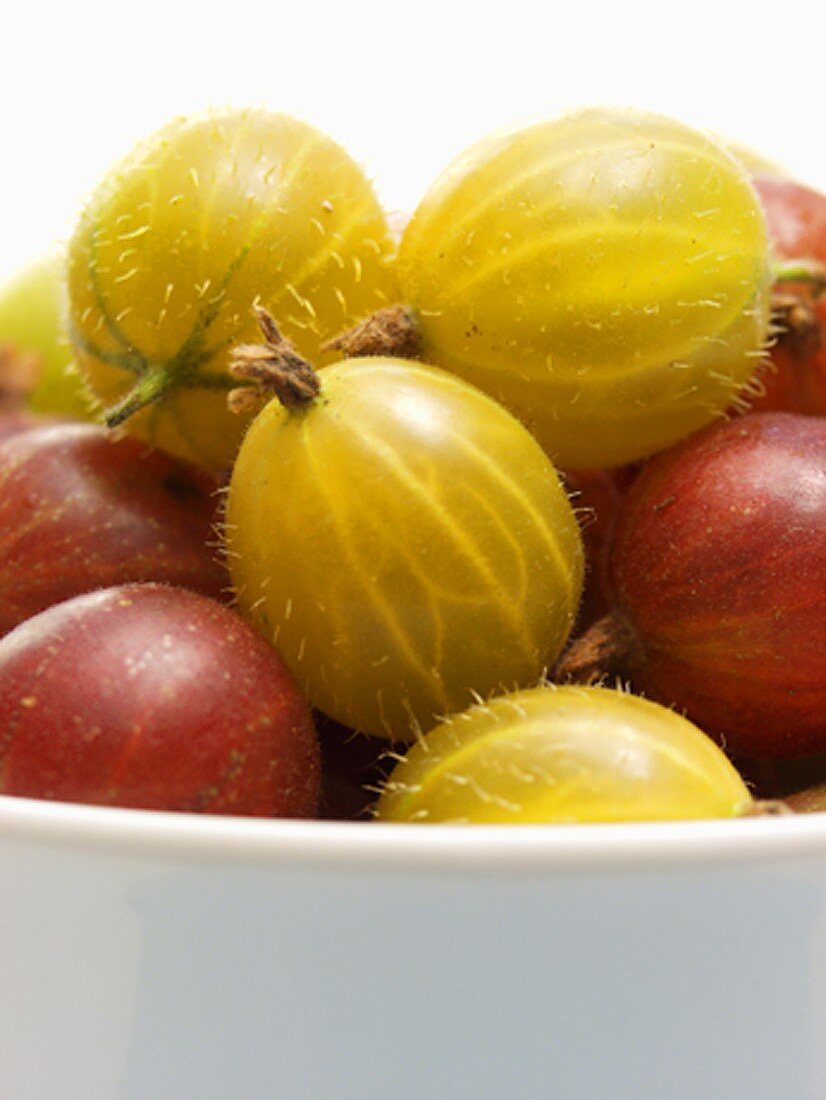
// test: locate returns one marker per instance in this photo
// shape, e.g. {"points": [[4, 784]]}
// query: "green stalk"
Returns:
{"points": [[150, 387], [811, 272]]}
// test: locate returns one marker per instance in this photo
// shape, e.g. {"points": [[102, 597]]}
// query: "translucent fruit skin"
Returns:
{"points": [[81, 509], [404, 542], [563, 754], [203, 219], [718, 566], [156, 698], [796, 220], [32, 311], [604, 274]]}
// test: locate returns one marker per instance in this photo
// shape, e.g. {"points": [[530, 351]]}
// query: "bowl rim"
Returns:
{"points": [[360, 846]]}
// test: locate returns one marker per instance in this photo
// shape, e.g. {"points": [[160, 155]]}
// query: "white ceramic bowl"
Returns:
{"points": [[153, 956]]}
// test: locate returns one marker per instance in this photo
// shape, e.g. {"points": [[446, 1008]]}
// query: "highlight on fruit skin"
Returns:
{"points": [[157, 698], [563, 755], [83, 508], [755, 161], [604, 274], [717, 567], [403, 542], [207, 216]]}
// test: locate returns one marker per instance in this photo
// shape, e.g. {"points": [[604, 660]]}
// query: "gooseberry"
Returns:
{"points": [[403, 541], [32, 308], [153, 697], [796, 220], [718, 573], [563, 755], [80, 509], [605, 275], [207, 216]]}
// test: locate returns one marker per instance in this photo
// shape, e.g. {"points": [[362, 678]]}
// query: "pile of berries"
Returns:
{"points": [[511, 511]]}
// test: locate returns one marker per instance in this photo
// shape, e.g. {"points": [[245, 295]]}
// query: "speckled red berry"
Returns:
{"points": [[153, 697]]}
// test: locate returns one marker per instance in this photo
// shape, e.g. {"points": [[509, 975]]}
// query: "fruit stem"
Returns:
{"points": [[271, 369], [393, 331], [601, 651], [811, 800], [811, 272], [766, 807], [797, 323], [150, 387]]}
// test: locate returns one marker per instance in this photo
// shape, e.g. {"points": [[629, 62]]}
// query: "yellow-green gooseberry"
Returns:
{"points": [[604, 274], [404, 542], [32, 314], [564, 755], [207, 216]]}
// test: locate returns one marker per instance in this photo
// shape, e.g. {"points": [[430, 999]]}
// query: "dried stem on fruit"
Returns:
{"points": [[798, 324], [392, 332], [271, 369], [603, 650], [810, 272], [811, 800], [767, 807]]}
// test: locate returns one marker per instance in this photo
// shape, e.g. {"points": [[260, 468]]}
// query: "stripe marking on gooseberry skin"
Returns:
{"points": [[467, 549], [604, 275], [497, 474], [191, 353], [718, 572], [591, 754], [531, 250], [511, 487], [403, 542], [372, 595], [317, 262], [181, 239], [551, 166]]}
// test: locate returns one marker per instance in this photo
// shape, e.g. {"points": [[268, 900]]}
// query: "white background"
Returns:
{"points": [[404, 88]]}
